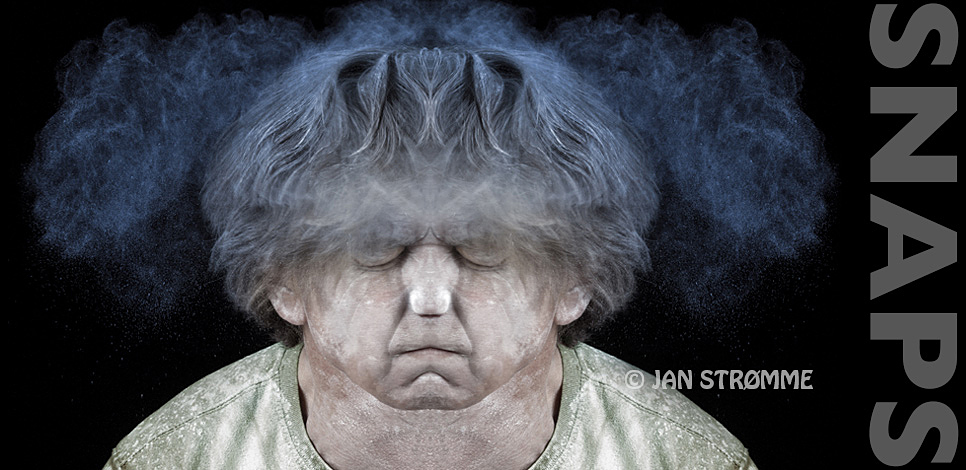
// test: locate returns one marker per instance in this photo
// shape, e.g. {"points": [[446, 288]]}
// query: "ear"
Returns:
{"points": [[571, 306], [288, 305]]}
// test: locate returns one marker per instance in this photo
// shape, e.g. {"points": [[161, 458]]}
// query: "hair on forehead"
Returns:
{"points": [[356, 147]]}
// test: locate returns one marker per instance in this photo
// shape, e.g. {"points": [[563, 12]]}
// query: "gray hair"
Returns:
{"points": [[348, 147]]}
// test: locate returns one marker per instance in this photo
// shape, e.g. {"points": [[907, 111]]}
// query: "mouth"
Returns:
{"points": [[429, 351]]}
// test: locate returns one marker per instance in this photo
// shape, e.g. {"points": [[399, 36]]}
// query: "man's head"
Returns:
{"points": [[415, 209]]}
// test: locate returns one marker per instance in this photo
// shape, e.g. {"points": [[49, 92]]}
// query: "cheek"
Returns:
{"points": [[504, 312], [356, 323]]}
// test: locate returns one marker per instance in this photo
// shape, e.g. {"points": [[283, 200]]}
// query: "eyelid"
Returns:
{"points": [[475, 261], [386, 261]]}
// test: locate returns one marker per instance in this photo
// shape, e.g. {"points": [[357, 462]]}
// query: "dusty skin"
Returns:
{"points": [[430, 357]]}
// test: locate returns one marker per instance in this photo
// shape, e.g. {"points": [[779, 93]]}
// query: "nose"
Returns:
{"points": [[430, 273]]}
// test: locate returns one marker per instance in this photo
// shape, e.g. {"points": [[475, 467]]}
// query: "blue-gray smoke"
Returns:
{"points": [[741, 168], [118, 167]]}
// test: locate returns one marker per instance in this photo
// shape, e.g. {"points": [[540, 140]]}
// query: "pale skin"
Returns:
{"points": [[430, 356]]}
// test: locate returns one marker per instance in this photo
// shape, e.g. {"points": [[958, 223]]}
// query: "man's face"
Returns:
{"points": [[431, 325]]}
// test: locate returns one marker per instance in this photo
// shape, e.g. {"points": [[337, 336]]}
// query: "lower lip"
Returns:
{"points": [[429, 353]]}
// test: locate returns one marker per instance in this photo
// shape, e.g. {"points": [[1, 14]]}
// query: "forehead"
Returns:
{"points": [[396, 228], [372, 220], [457, 213]]}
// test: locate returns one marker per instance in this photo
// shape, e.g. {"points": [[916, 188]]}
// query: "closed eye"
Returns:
{"points": [[480, 260], [380, 261]]}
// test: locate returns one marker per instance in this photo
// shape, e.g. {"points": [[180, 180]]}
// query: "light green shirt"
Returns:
{"points": [[247, 416]]}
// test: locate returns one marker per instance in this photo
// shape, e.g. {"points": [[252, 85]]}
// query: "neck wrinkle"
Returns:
{"points": [[510, 428]]}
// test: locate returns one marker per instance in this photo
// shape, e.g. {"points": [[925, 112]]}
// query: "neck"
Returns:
{"points": [[509, 428]]}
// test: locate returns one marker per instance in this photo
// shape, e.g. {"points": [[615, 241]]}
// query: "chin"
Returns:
{"points": [[433, 396]]}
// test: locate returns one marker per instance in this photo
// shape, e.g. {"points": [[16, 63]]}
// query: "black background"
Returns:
{"points": [[83, 371]]}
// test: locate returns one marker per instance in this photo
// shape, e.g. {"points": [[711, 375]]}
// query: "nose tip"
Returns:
{"points": [[427, 303], [430, 273]]}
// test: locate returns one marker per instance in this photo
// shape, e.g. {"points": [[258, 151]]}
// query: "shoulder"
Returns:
{"points": [[218, 407], [659, 425]]}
